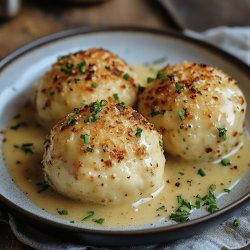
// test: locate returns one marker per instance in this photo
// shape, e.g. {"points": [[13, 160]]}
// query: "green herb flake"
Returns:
{"points": [[27, 148], [236, 222], [199, 92], [150, 79], [179, 87], [94, 85], [181, 173], [160, 208], [210, 200], [95, 108], [63, 212], [126, 76], [18, 125], [201, 172], [159, 60], [88, 215], [71, 120], [81, 66], [99, 221], [89, 150], [226, 190], [86, 138], [183, 114], [116, 96], [141, 89], [161, 143], [72, 221], [225, 162], [121, 104], [183, 211], [108, 68], [160, 75], [222, 133], [138, 132], [67, 68], [155, 113]]}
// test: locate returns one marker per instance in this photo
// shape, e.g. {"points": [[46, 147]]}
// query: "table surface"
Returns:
{"points": [[42, 17]]}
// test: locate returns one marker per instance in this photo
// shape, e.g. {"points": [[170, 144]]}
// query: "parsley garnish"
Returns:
{"points": [[71, 120], [179, 87], [227, 190], [160, 208], [25, 147], [225, 162], [141, 89], [63, 212], [155, 113], [94, 85], [95, 109], [160, 75], [99, 221], [18, 125], [89, 150], [180, 173], [138, 132], [89, 215], [86, 138], [116, 96], [121, 104], [126, 76], [183, 114], [183, 211], [201, 172], [236, 223], [161, 143], [67, 68], [107, 68], [222, 133], [82, 66], [150, 79], [210, 200]]}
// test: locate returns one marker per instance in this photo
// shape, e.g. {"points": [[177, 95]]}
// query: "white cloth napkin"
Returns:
{"points": [[223, 236]]}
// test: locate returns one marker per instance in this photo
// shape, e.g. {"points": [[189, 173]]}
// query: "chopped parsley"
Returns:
{"points": [[99, 221], [141, 89], [138, 132], [86, 138], [201, 172], [179, 87], [210, 200], [71, 120], [88, 215], [94, 85], [81, 66], [225, 162], [160, 208], [236, 223], [116, 96], [121, 104], [89, 150], [222, 133], [155, 113], [27, 148], [95, 109], [182, 212], [226, 190], [126, 76], [180, 173], [183, 114], [150, 79], [67, 68], [107, 68], [160, 75], [63, 212], [18, 125], [161, 143]]}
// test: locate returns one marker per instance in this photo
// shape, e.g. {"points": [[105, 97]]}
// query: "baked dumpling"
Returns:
{"points": [[85, 76], [105, 153], [199, 109]]}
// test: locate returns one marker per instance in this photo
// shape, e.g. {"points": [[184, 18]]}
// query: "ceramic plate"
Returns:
{"points": [[136, 46]]}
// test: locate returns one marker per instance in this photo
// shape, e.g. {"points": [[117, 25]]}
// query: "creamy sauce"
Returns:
{"points": [[181, 178]]}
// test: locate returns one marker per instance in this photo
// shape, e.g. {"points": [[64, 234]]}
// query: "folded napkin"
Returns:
{"points": [[223, 236]]}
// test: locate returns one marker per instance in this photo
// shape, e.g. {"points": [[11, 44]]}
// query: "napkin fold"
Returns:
{"points": [[223, 236]]}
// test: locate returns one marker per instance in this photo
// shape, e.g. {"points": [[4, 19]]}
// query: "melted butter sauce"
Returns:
{"points": [[181, 178]]}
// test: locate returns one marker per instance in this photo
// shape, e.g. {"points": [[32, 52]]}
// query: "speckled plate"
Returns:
{"points": [[136, 45]]}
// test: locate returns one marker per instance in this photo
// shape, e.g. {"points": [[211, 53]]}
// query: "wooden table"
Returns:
{"points": [[40, 18]]}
